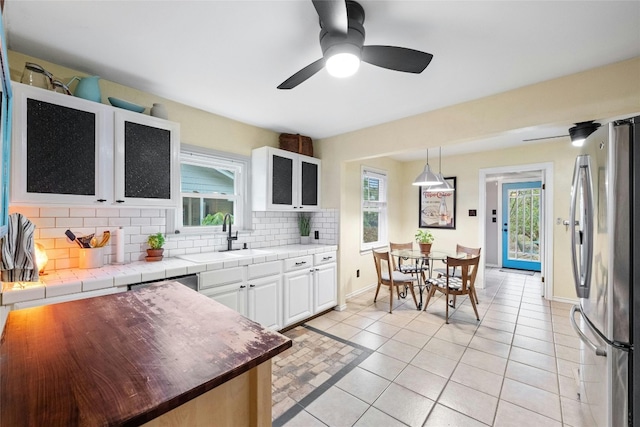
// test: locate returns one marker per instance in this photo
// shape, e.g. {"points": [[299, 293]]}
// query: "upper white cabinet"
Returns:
{"points": [[68, 150], [284, 181], [147, 150]]}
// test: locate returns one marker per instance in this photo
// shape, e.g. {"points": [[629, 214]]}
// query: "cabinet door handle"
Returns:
{"points": [[102, 200], [317, 269], [301, 263], [242, 286], [252, 286], [327, 258], [119, 201]]}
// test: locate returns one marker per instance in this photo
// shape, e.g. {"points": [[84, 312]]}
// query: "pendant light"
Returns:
{"points": [[443, 185], [427, 177]]}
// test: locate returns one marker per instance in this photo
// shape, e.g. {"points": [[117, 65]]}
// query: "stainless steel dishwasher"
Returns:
{"points": [[190, 281]]}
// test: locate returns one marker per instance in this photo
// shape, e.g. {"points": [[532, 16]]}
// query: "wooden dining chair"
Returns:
{"points": [[449, 284], [410, 267], [392, 278], [457, 273]]}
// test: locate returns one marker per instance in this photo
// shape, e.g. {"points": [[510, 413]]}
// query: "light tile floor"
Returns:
{"points": [[516, 367]]}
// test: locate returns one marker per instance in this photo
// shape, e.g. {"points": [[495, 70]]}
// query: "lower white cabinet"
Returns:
{"points": [[276, 294], [233, 296], [325, 295], [264, 302], [244, 290], [298, 296]]}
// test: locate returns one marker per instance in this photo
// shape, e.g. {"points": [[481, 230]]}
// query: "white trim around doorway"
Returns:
{"points": [[547, 245]]}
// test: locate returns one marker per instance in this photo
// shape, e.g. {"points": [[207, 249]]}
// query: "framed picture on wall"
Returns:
{"points": [[437, 209]]}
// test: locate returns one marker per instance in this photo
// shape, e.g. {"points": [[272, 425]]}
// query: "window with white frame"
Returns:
{"points": [[373, 224], [212, 185]]}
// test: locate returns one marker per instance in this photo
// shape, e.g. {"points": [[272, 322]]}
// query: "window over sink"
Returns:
{"points": [[212, 184]]}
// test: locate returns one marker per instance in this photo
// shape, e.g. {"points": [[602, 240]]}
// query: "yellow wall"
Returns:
{"points": [[197, 127], [604, 92], [609, 91]]}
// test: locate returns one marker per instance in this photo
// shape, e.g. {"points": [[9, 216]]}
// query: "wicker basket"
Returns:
{"points": [[297, 143]]}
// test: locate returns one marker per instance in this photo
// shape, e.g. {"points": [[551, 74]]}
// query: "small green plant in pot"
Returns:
{"points": [[155, 251], [304, 225], [424, 238]]}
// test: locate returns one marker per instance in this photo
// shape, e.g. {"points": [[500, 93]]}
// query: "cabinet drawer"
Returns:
{"points": [[209, 279], [264, 269], [324, 258], [298, 263]]}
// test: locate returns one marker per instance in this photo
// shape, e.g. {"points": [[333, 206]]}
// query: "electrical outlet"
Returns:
{"points": [[357, 273]]}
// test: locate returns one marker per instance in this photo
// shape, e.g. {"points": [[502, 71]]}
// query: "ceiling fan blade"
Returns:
{"points": [[333, 15], [396, 58], [302, 75]]}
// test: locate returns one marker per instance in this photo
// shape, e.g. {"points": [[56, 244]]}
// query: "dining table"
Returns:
{"points": [[423, 261]]}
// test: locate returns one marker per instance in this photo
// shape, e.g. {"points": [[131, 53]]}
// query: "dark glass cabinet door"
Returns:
{"points": [[309, 196], [147, 162], [146, 171], [61, 149], [282, 181]]}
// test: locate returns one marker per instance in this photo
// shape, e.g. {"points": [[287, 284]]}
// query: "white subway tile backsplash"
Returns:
{"points": [[130, 213], [107, 212], [96, 222], [54, 212], [152, 213], [269, 229], [82, 212], [142, 221], [119, 221]]}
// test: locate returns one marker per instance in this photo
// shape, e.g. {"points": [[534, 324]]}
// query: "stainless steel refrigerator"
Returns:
{"points": [[605, 211]]}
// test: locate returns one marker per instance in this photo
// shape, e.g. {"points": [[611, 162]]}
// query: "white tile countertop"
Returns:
{"points": [[114, 278]]}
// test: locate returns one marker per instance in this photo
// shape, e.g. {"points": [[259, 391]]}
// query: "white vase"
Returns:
{"points": [[159, 111], [304, 240]]}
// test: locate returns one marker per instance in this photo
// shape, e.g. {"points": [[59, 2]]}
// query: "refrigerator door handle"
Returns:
{"points": [[582, 188], [600, 351]]}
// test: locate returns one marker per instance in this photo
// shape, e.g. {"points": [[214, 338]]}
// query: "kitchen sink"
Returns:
{"points": [[223, 256], [205, 257], [249, 252]]}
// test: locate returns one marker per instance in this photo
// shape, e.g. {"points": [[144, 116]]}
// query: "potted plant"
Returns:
{"points": [[424, 238], [155, 251], [304, 225]]}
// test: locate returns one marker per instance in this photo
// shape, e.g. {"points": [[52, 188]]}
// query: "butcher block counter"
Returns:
{"points": [[163, 355]]}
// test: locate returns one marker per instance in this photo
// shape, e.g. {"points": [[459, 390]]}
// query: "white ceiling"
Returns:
{"points": [[227, 57]]}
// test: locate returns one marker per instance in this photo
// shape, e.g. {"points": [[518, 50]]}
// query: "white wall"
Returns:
{"points": [[491, 224]]}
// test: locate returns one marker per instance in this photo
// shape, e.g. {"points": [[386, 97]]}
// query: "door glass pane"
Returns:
{"points": [[524, 224]]}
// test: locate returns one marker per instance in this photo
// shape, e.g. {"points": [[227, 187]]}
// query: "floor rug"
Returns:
{"points": [[315, 362]]}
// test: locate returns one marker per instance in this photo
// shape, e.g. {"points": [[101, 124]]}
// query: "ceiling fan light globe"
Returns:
{"points": [[343, 64]]}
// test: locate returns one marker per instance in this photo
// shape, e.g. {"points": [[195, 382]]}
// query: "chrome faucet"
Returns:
{"points": [[230, 238]]}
